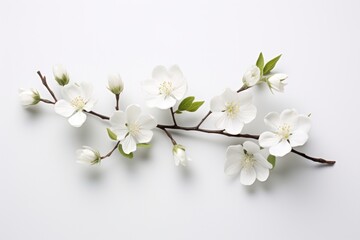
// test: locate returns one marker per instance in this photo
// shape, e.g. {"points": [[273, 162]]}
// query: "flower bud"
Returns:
{"points": [[115, 84], [252, 76], [61, 75], [276, 82], [29, 97], [88, 156], [180, 155]]}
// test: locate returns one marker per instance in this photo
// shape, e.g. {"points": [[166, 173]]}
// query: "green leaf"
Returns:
{"points": [[143, 145], [260, 62], [178, 112], [271, 64], [130, 155], [111, 134], [186, 103], [271, 159], [195, 106]]}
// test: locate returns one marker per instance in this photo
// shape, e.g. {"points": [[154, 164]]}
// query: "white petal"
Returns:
{"points": [[234, 155], [261, 173], [303, 124], [260, 159], [245, 97], [144, 136], [289, 116], [161, 102], [251, 147], [146, 122], [268, 139], [71, 91], [64, 108], [175, 72], [150, 87], [280, 149], [120, 132], [221, 121], [132, 113], [272, 120], [90, 104], [247, 113], [234, 126], [86, 90], [128, 144], [118, 119], [77, 119], [230, 96], [217, 104], [160, 73], [180, 91], [298, 138], [247, 176]]}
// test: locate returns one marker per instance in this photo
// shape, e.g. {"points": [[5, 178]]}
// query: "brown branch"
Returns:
{"points": [[98, 115], [111, 152], [319, 160], [173, 116], [46, 101], [43, 80]]}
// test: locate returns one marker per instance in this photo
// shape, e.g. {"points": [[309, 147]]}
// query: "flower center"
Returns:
{"points": [[284, 131], [78, 103], [166, 88], [248, 161], [232, 109], [134, 129]]}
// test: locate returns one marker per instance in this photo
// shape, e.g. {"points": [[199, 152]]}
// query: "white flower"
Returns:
{"points": [[252, 76], [166, 87], [289, 129], [77, 98], [88, 156], [29, 97], [61, 75], [131, 128], [249, 160], [115, 83], [233, 110], [180, 156], [276, 81]]}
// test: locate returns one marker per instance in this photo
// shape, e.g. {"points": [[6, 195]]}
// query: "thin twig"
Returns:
{"points": [[169, 135], [319, 160], [173, 116], [111, 152], [202, 120], [117, 97], [46, 101], [98, 115], [43, 80], [244, 87]]}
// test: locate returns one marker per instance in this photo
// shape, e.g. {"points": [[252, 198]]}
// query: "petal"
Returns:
{"points": [[245, 97], [120, 132], [180, 91], [289, 116], [160, 73], [128, 144], [272, 120], [146, 122], [261, 160], [251, 147], [261, 173], [71, 91], [280, 149], [132, 113], [176, 73], [298, 138], [247, 176], [77, 119], [217, 104], [221, 121], [86, 90], [118, 119], [247, 113], [161, 102], [234, 126], [230, 96], [234, 154], [90, 104], [144, 136], [269, 139], [303, 124], [64, 108], [150, 87]]}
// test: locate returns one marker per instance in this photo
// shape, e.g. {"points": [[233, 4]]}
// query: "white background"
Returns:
{"points": [[44, 194]]}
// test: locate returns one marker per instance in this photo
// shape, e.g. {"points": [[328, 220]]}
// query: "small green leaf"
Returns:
{"points": [[271, 159], [130, 155], [186, 103], [271, 64], [111, 134], [260, 62], [195, 106], [143, 145]]}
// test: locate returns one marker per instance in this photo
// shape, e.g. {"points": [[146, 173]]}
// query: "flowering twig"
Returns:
{"points": [[44, 82]]}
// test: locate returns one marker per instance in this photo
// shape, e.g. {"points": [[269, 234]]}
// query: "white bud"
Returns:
{"points": [[276, 82], [115, 83], [61, 75], [180, 155], [252, 76], [88, 156], [29, 97]]}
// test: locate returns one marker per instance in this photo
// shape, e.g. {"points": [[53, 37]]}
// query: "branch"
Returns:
{"points": [[173, 116], [111, 152], [43, 80], [98, 115], [46, 101], [319, 160]]}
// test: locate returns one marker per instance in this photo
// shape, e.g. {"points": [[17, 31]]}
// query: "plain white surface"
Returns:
{"points": [[46, 195]]}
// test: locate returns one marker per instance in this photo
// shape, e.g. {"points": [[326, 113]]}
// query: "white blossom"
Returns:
{"points": [[288, 130], [252, 76], [232, 110], [166, 87], [115, 83], [77, 99], [277, 82], [131, 127], [180, 156], [61, 75], [28, 97], [249, 160], [88, 156]]}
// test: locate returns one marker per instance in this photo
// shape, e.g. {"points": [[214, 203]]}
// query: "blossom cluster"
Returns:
{"points": [[166, 89]]}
